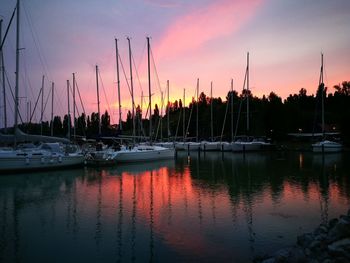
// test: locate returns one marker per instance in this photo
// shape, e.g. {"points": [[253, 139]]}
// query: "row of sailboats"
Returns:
{"points": [[135, 152], [237, 144], [248, 143], [58, 152], [52, 154]]}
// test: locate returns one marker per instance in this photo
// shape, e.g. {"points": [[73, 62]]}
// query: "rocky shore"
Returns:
{"points": [[329, 243]]}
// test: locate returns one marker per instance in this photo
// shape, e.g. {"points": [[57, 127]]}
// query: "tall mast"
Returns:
{"points": [[211, 112], [52, 95], [231, 110], [184, 115], [132, 92], [98, 103], [197, 110], [141, 110], [247, 92], [161, 115], [168, 111], [68, 117], [28, 112], [118, 84], [74, 129], [149, 90], [42, 105], [3, 78], [17, 72], [321, 84]]}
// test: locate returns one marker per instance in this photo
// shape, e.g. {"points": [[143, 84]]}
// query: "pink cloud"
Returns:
{"points": [[192, 30]]}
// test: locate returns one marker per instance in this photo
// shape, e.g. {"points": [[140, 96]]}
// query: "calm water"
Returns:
{"points": [[207, 208]]}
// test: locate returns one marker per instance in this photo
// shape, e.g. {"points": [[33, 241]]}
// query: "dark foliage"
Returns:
{"points": [[268, 116]]}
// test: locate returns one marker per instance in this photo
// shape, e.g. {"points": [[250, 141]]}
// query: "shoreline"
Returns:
{"points": [[327, 243]]}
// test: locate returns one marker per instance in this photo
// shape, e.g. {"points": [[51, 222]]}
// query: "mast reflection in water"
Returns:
{"points": [[208, 207]]}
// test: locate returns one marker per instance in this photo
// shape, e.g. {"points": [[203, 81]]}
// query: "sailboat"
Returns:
{"points": [[100, 155], [49, 155], [324, 146], [141, 153], [205, 145], [225, 146], [179, 146], [190, 146], [168, 144], [194, 146], [247, 143]]}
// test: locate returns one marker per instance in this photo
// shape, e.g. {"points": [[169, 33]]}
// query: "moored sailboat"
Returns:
{"points": [[247, 143], [45, 156], [42, 157], [149, 152], [210, 145], [324, 146]]}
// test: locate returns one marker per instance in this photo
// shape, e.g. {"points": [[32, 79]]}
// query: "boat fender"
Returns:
{"points": [[51, 160], [60, 159], [27, 160], [42, 159]]}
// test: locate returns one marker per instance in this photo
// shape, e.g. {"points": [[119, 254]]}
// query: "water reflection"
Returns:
{"points": [[207, 207]]}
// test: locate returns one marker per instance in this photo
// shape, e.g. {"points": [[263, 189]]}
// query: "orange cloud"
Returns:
{"points": [[202, 25]]}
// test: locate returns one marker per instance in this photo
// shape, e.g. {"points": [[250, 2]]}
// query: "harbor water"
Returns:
{"points": [[207, 207]]}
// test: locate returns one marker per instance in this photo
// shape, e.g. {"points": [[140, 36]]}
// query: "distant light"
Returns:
{"points": [[300, 130], [334, 128]]}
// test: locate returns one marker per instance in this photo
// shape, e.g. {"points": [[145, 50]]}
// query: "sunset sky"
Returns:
{"points": [[189, 39]]}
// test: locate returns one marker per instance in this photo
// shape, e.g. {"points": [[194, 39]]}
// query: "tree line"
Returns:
{"points": [[268, 116]]}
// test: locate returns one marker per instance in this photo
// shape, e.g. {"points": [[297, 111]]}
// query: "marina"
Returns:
{"points": [[111, 151]]}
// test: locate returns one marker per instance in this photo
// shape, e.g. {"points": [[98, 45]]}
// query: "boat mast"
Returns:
{"points": [[184, 115], [68, 117], [132, 92], [168, 112], [211, 112], [231, 110], [321, 85], [149, 91], [247, 92], [74, 129], [17, 73], [161, 116], [3, 77], [42, 105], [98, 103], [197, 110], [141, 128], [118, 85], [28, 112], [52, 94]]}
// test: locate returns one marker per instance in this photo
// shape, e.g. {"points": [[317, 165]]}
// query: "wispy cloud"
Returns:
{"points": [[163, 3], [219, 19]]}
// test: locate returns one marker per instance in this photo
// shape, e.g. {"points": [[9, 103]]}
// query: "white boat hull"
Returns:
{"points": [[142, 154], [225, 147], [38, 162], [169, 145], [250, 146], [327, 147], [180, 146], [210, 146], [101, 158], [188, 146]]}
